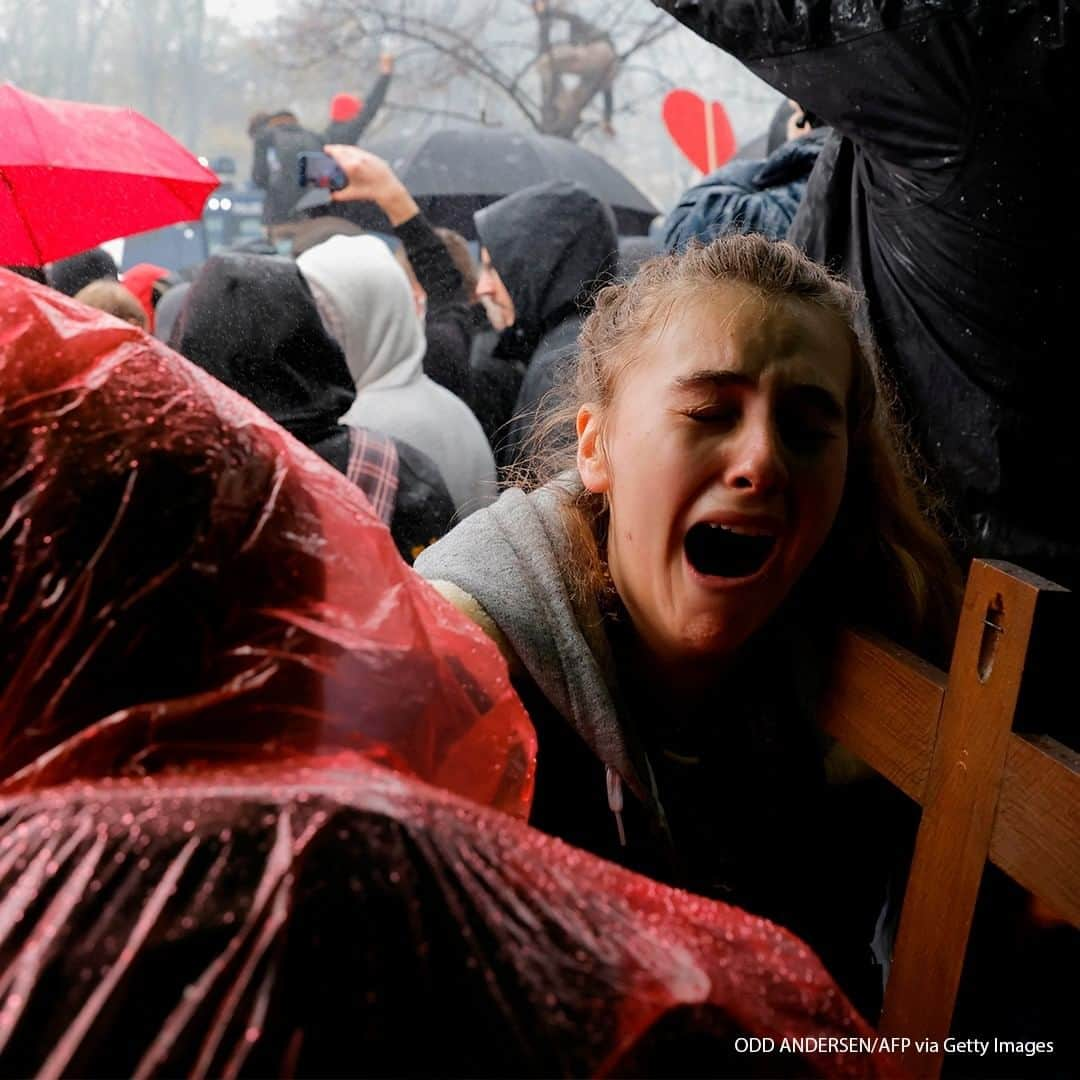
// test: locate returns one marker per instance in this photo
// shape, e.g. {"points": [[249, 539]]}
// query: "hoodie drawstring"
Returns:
{"points": [[615, 801]]}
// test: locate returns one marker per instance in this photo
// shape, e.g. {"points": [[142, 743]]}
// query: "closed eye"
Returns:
{"points": [[712, 414], [807, 436]]}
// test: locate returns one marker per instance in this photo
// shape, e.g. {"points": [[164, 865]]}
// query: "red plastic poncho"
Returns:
{"points": [[181, 579], [211, 652], [341, 919]]}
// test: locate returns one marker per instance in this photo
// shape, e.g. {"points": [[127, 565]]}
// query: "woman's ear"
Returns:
{"points": [[591, 463]]}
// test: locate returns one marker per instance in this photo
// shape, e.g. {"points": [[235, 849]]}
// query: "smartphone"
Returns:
{"points": [[320, 170]]}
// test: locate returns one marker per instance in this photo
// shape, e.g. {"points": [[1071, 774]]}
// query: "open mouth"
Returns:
{"points": [[727, 551]]}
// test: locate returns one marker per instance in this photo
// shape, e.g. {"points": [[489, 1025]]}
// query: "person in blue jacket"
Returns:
{"points": [[757, 195]]}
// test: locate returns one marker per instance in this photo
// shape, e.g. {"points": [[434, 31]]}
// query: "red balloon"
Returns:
{"points": [[701, 131]]}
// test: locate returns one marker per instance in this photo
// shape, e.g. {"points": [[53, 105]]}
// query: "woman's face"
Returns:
{"points": [[723, 456]]}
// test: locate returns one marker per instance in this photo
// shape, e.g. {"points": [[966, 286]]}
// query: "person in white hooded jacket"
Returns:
{"points": [[364, 298]]}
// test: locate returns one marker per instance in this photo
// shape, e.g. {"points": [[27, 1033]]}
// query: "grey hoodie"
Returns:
{"points": [[509, 557]]}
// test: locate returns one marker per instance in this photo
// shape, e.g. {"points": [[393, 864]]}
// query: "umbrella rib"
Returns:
{"points": [[22, 217], [29, 121]]}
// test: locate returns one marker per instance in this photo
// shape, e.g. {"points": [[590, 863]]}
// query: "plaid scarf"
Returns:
{"points": [[373, 467]]}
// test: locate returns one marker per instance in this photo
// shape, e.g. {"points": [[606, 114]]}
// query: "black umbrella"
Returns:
{"points": [[454, 172]]}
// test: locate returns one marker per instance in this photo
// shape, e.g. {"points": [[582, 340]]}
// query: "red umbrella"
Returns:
{"points": [[72, 175]]}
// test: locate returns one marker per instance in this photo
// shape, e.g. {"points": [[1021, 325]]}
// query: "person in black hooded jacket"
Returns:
{"points": [[544, 252], [252, 323], [934, 195]]}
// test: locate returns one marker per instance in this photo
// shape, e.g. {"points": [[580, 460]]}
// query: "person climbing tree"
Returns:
{"points": [[589, 53]]}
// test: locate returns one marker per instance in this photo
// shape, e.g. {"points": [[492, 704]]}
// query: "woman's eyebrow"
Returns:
{"points": [[712, 378]]}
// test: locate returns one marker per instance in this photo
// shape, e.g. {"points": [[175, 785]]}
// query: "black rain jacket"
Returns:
{"points": [[552, 245]]}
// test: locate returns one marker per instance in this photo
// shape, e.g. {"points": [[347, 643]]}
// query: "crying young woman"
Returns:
{"points": [[667, 590]]}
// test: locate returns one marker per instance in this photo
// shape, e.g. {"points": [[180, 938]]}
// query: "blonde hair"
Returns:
{"points": [[110, 296], [884, 563]]}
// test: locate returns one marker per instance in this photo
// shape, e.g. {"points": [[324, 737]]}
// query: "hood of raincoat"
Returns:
{"points": [[551, 244], [364, 298], [251, 322], [140, 281], [184, 581]]}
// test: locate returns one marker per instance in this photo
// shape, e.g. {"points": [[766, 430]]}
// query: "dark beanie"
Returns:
{"points": [[70, 275]]}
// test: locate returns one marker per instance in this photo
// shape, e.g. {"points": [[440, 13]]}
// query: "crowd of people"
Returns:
{"points": [[657, 488]]}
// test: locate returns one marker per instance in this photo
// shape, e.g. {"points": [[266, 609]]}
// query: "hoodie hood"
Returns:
{"points": [[364, 298], [509, 557], [366, 303], [551, 245], [251, 322], [140, 281]]}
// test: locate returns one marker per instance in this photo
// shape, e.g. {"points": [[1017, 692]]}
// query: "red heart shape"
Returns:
{"points": [[702, 133]]}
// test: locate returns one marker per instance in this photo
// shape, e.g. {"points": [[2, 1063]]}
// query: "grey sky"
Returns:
{"points": [[243, 12]]}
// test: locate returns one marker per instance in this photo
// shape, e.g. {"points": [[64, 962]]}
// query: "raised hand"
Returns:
{"points": [[372, 180]]}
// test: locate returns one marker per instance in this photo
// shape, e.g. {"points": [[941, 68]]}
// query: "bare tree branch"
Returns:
{"points": [[658, 28], [498, 44], [456, 45], [424, 109]]}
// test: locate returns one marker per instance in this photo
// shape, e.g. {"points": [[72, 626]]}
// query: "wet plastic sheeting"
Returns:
{"points": [[180, 579], [340, 919]]}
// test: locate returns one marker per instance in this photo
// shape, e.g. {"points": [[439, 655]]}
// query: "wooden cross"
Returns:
{"points": [[987, 789]]}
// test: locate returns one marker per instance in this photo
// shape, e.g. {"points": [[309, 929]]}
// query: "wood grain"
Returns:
{"points": [[883, 704], [959, 808], [1036, 838], [986, 791]]}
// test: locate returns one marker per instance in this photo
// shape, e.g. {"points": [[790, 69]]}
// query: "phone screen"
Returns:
{"points": [[321, 171]]}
